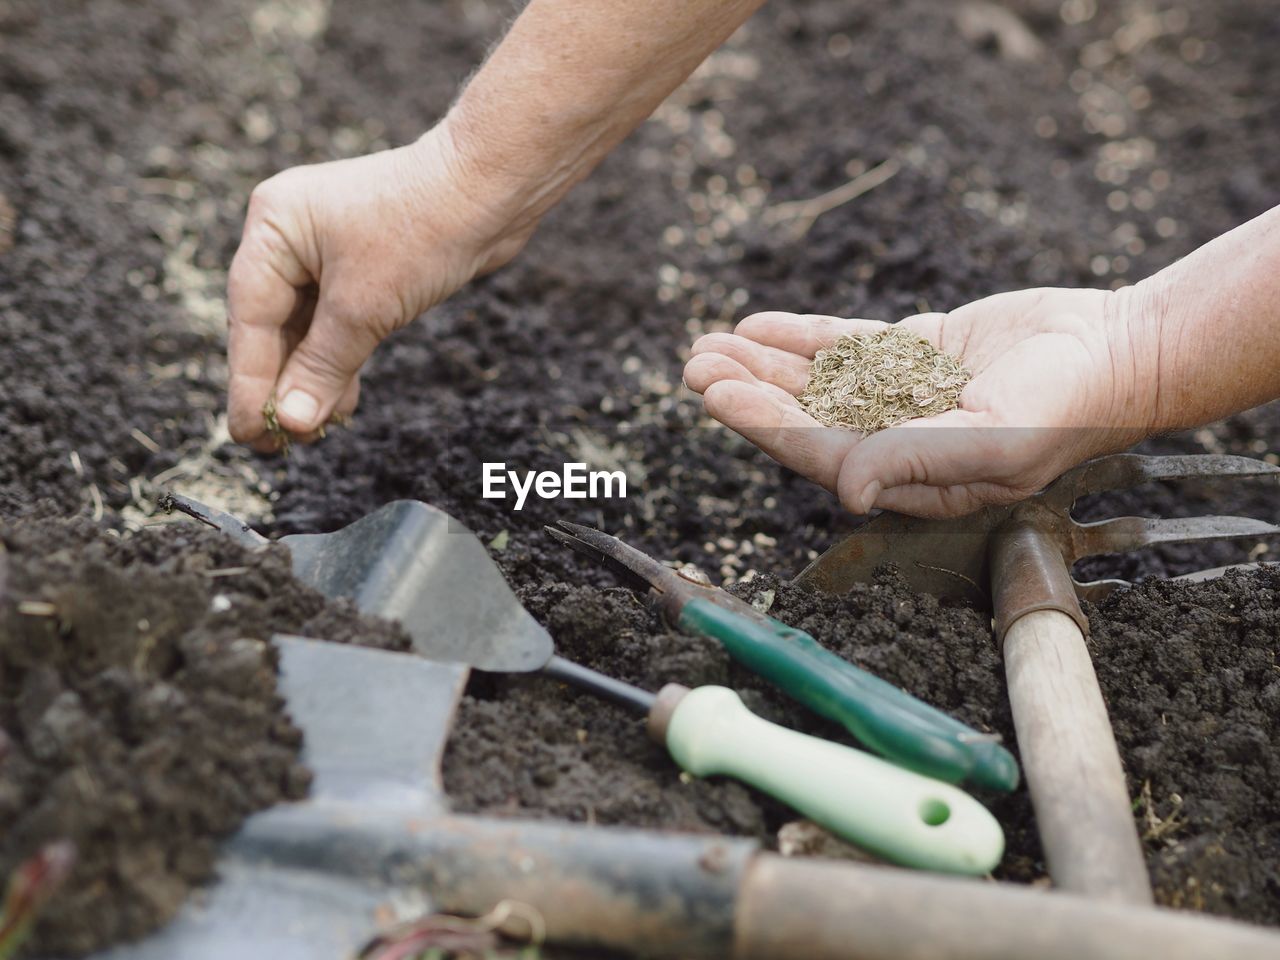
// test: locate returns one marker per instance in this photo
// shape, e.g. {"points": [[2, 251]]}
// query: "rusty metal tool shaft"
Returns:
{"points": [[688, 896]]}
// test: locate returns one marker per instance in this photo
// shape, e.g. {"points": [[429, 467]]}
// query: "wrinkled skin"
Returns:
{"points": [[1054, 383]]}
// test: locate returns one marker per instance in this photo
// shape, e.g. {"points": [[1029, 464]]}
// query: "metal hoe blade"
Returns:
{"points": [[949, 558]]}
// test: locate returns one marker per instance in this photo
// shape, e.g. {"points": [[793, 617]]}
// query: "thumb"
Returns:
{"points": [[320, 369], [953, 448]]}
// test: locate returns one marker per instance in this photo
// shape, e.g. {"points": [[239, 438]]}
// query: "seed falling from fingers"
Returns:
{"points": [[277, 432], [868, 382], [282, 436]]}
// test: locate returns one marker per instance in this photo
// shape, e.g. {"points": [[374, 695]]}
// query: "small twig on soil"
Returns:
{"points": [[143, 439], [8, 221], [164, 476], [226, 572], [37, 608], [1156, 827], [801, 214]]}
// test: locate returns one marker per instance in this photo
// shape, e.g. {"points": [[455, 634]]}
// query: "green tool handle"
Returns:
{"points": [[885, 719], [899, 815]]}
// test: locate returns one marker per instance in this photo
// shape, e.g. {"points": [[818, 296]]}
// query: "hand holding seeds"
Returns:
{"points": [[1053, 382]]}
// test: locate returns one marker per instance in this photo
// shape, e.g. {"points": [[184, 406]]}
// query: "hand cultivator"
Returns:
{"points": [[319, 879], [1016, 560]]}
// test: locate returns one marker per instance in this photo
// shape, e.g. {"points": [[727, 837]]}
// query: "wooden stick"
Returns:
{"points": [[1072, 765], [822, 910]]}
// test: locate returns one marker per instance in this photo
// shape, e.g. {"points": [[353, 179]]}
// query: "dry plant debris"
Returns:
{"points": [[868, 382], [8, 224]]}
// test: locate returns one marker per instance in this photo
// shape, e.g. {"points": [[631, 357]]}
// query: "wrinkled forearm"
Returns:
{"points": [[571, 79], [1210, 327]]}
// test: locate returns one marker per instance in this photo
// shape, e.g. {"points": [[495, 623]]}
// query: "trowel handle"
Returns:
{"points": [[884, 718], [899, 815]]}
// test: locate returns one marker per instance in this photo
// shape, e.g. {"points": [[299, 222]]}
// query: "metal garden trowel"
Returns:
{"points": [[1016, 561]]}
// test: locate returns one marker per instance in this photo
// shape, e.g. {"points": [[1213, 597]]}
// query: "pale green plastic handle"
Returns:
{"points": [[902, 816]]}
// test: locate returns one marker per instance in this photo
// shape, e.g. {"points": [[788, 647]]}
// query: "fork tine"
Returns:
{"points": [[1096, 591], [1132, 533], [1125, 470]]}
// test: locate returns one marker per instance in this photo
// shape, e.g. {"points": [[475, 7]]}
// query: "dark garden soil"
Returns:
{"points": [[138, 701], [1072, 143]]}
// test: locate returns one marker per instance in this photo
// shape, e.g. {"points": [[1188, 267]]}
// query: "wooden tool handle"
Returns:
{"points": [[820, 910], [1071, 762]]}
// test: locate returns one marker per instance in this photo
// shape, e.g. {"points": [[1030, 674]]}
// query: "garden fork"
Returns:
{"points": [[1016, 560]]}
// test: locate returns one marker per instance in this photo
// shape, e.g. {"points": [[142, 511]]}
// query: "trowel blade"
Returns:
{"points": [[416, 564], [289, 885]]}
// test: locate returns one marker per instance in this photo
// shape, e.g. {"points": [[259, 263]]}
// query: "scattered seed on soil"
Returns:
{"points": [[868, 382], [8, 221]]}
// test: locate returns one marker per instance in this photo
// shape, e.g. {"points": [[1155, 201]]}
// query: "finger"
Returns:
{"points": [[269, 443], [957, 447], [260, 302], [781, 429], [318, 371], [350, 399], [789, 371], [801, 334], [708, 368]]}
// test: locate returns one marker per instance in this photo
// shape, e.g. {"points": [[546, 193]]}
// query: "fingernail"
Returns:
{"points": [[869, 496], [300, 406]]}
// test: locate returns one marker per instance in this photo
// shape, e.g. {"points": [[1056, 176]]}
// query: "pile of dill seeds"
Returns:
{"points": [[868, 382]]}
